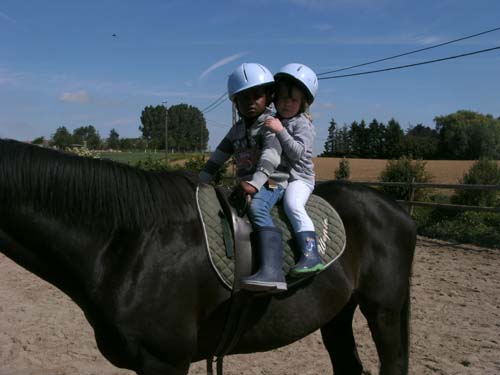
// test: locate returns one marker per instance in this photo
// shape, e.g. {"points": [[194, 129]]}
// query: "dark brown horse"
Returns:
{"points": [[127, 246]]}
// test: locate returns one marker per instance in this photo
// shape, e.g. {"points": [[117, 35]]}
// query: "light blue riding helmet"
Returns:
{"points": [[304, 75], [248, 75]]}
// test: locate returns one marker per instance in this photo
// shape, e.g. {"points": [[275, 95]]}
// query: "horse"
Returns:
{"points": [[127, 246]]}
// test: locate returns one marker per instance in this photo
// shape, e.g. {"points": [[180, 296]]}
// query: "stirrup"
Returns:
{"points": [[261, 286]]}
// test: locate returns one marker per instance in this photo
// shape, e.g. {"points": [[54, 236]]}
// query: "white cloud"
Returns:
{"points": [[4, 16], [7, 77], [80, 97], [222, 62], [429, 40]]}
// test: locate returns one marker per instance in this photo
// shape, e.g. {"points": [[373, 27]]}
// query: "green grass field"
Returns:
{"points": [[132, 157]]}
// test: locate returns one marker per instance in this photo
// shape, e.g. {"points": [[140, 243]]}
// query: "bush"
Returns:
{"points": [[405, 170], [83, 151], [196, 164], [482, 172], [154, 164], [479, 228], [343, 172]]}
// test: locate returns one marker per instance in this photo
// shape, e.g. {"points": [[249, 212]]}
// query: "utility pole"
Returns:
{"points": [[166, 129]]}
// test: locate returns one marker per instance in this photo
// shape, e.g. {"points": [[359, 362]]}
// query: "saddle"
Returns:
{"points": [[227, 234]]}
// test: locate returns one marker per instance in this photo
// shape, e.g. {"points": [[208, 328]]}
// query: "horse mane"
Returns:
{"points": [[92, 192]]}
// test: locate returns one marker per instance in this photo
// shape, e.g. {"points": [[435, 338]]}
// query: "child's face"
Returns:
{"points": [[288, 102], [252, 102]]}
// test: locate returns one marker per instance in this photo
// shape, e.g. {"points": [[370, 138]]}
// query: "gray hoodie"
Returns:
{"points": [[257, 154], [296, 141]]}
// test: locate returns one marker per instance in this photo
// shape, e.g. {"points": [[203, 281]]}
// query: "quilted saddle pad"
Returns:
{"points": [[327, 223]]}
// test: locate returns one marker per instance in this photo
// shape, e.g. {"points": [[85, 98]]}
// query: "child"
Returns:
{"points": [[296, 87], [257, 154]]}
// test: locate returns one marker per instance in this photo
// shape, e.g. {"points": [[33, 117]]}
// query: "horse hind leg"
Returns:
{"points": [[389, 326], [338, 338]]}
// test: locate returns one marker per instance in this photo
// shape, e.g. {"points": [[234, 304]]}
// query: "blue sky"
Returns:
{"points": [[61, 66]]}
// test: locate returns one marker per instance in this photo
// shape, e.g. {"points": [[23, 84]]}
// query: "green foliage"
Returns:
{"points": [[113, 141], [482, 172], [468, 135], [151, 163], [62, 138], [187, 130], [421, 142], [196, 163], [343, 172], [329, 146], [479, 228], [133, 144], [87, 136], [394, 137], [83, 151], [153, 126], [463, 135], [38, 141], [405, 170]]}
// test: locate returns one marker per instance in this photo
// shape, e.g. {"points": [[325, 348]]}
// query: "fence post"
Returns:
{"points": [[412, 195]]}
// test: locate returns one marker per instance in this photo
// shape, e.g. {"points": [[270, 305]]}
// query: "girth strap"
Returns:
{"points": [[240, 300]]}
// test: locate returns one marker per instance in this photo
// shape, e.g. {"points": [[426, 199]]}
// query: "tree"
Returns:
{"points": [[87, 136], [376, 139], [482, 172], [153, 125], [421, 142], [113, 140], [468, 135], [329, 147], [62, 138], [394, 136], [38, 141], [187, 128], [359, 136], [343, 146]]}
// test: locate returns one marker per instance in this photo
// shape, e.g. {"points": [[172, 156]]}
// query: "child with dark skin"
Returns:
{"points": [[257, 154]]}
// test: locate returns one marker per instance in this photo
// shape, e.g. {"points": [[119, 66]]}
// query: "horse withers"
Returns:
{"points": [[127, 246]]}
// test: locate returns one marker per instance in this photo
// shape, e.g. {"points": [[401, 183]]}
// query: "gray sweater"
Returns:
{"points": [[257, 153], [297, 140]]}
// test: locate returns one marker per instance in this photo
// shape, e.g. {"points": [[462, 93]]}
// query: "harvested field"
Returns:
{"points": [[443, 171], [455, 324]]}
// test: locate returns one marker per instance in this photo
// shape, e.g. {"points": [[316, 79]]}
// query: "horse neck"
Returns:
{"points": [[48, 247]]}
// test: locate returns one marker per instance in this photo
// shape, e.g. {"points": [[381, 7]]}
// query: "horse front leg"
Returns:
{"points": [[338, 338]]}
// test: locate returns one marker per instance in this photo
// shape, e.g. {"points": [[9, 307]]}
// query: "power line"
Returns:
{"points": [[409, 53], [221, 99], [214, 107], [215, 103], [411, 65]]}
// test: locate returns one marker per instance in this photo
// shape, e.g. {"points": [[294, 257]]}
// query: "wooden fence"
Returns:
{"points": [[413, 186]]}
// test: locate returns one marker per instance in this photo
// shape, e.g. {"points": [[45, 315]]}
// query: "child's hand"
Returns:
{"points": [[273, 124], [247, 188]]}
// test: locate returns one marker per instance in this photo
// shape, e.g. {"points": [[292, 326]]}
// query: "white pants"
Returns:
{"points": [[296, 195]]}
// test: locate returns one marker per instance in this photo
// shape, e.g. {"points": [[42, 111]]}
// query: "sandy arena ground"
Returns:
{"points": [[455, 324]]}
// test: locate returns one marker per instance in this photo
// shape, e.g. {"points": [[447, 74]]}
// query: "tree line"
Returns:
{"points": [[183, 124], [463, 135]]}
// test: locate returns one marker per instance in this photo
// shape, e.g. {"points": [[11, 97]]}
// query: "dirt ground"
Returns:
{"points": [[455, 324]]}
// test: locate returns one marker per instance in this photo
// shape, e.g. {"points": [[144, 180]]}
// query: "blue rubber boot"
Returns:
{"points": [[309, 261], [270, 276]]}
